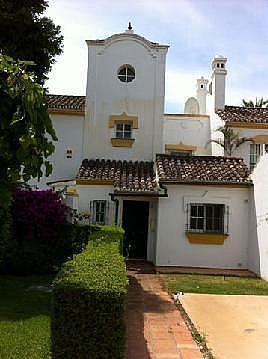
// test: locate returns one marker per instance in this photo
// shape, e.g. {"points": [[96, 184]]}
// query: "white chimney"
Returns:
{"points": [[217, 85], [201, 94]]}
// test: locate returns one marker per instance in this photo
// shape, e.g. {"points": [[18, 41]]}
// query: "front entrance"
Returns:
{"points": [[135, 224]]}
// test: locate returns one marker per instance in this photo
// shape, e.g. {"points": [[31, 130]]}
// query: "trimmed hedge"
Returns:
{"points": [[88, 303], [109, 233]]}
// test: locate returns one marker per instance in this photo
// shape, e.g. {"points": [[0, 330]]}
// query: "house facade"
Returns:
{"points": [[181, 201]]}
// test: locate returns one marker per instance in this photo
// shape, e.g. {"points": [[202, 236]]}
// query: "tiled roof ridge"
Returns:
{"points": [[202, 169], [199, 157], [68, 102], [240, 114], [226, 107], [126, 175], [65, 95]]}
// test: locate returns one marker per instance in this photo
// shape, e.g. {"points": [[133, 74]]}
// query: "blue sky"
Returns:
{"points": [[196, 31]]}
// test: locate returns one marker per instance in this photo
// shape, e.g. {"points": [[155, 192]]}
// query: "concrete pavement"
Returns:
{"points": [[235, 326]]}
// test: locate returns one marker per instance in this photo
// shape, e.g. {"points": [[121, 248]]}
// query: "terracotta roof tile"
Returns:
{"points": [[66, 102], [244, 114], [202, 169], [127, 176]]}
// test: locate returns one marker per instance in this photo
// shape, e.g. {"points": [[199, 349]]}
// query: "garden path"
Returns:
{"points": [[155, 327]]}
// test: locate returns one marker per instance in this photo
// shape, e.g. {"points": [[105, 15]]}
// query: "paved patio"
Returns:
{"points": [[235, 326], [155, 328]]}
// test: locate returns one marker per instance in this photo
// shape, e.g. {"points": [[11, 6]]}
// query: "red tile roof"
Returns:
{"points": [[244, 114], [126, 176], [66, 102], [202, 170]]}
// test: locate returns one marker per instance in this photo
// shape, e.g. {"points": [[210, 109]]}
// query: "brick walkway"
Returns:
{"points": [[155, 328]]}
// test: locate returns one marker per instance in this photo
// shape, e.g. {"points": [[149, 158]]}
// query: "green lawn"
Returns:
{"points": [[191, 283], [24, 318]]}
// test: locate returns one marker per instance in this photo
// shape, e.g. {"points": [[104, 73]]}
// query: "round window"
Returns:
{"points": [[126, 73]]}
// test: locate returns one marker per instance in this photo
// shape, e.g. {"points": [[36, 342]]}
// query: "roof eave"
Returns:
{"points": [[207, 183], [137, 193]]}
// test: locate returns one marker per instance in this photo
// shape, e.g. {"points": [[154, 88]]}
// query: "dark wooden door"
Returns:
{"points": [[135, 224]]}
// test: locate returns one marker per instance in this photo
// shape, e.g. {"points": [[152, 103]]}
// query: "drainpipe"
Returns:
{"points": [[116, 200], [164, 188]]}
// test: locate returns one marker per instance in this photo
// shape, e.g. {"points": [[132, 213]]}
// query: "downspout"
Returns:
{"points": [[116, 200], [164, 188]]}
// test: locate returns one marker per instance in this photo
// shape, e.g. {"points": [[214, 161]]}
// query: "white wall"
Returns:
{"points": [[89, 193], [173, 247], [188, 130], [107, 95], [69, 130], [215, 123], [243, 150], [258, 220]]}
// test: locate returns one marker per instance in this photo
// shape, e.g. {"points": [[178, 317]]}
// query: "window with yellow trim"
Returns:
{"points": [[180, 153], [123, 130], [207, 218]]}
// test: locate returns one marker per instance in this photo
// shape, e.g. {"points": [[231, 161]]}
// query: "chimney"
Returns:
{"points": [[201, 94], [217, 85]]}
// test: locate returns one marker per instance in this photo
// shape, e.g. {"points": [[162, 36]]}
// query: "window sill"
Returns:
{"points": [[206, 238], [122, 142]]}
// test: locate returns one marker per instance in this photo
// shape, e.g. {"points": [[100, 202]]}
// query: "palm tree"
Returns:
{"points": [[258, 103], [230, 140]]}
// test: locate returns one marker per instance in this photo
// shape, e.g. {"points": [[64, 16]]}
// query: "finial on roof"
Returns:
{"points": [[130, 28]]}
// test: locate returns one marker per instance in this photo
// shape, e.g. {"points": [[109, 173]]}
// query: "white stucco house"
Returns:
{"points": [[123, 160]]}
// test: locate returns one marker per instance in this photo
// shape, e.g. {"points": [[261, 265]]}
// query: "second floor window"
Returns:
{"points": [[123, 130], [126, 73], [181, 153]]}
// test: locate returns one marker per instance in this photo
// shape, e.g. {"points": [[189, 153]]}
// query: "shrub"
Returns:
{"points": [[40, 231], [88, 305], [5, 237], [78, 235], [109, 233]]}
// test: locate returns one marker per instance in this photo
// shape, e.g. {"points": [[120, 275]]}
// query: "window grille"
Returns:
{"points": [[126, 73], [99, 211], [207, 218], [123, 130], [255, 151], [180, 153]]}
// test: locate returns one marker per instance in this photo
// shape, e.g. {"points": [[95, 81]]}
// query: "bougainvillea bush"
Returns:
{"points": [[40, 228]]}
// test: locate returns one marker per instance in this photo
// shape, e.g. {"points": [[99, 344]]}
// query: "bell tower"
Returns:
{"points": [[125, 97]]}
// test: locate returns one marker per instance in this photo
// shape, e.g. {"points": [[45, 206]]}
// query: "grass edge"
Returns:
{"points": [[198, 338]]}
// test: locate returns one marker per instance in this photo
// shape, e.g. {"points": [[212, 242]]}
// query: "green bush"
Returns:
{"points": [[88, 305], [78, 235], [6, 243], [109, 233]]}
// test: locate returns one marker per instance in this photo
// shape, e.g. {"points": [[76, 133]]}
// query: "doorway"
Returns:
{"points": [[135, 224]]}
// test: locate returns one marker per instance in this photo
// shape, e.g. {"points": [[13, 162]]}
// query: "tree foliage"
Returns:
{"points": [[26, 132], [258, 103], [230, 140], [27, 35]]}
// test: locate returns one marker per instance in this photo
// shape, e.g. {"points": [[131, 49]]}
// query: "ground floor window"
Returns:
{"points": [[98, 211], [255, 151], [205, 217]]}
